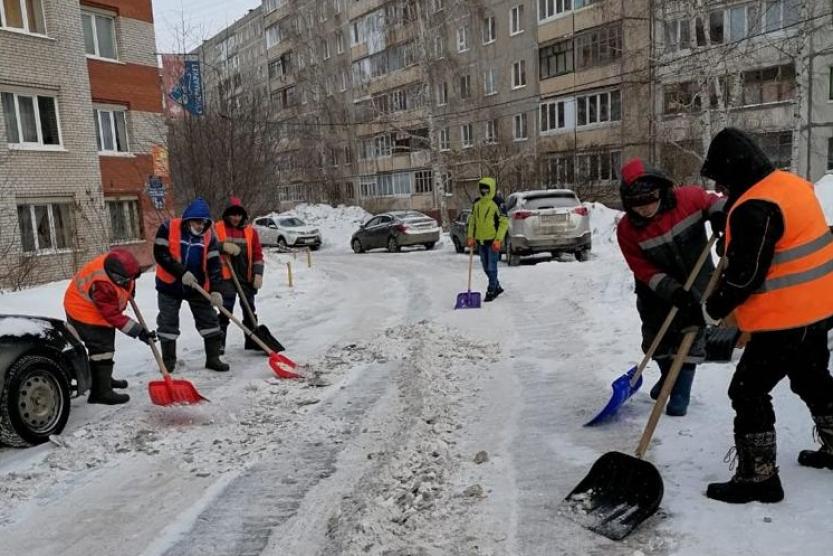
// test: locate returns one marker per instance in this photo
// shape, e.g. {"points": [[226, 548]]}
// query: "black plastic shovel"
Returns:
{"points": [[260, 330]]}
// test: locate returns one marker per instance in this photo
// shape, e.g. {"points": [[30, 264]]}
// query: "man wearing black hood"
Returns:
{"points": [[661, 236], [241, 249], [779, 283]]}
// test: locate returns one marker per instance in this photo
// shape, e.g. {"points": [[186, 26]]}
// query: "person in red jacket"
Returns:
{"points": [[241, 249], [95, 301]]}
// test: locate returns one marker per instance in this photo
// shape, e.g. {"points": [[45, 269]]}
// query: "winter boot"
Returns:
{"points": [[823, 457], [498, 291], [212, 354], [655, 390], [116, 383], [223, 343], [756, 478], [490, 296], [680, 395], [169, 354], [101, 392]]}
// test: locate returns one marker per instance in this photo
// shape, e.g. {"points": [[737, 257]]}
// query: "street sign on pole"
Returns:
{"points": [[156, 191]]}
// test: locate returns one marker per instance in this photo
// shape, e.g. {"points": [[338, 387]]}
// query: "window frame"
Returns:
{"points": [[24, 14], [445, 139], [463, 39], [490, 77], [830, 154], [518, 72], [442, 93], [516, 14], [467, 139], [96, 46], [567, 53], [53, 231], [113, 129], [130, 207], [520, 123], [39, 145], [465, 79], [489, 30], [491, 135]]}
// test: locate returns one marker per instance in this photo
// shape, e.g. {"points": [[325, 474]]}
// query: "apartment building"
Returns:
{"points": [[81, 104]]}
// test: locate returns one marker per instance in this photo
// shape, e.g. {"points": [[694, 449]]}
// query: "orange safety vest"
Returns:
{"points": [[79, 304], [175, 248], [248, 236], [798, 289]]}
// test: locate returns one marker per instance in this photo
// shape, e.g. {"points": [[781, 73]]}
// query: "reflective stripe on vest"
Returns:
{"points": [[175, 248], [78, 302], [248, 237], [798, 288]]}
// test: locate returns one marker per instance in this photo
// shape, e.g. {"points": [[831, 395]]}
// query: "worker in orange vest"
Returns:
{"points": [[187, 256], [94, 302], [779, 283], [241, 248]]}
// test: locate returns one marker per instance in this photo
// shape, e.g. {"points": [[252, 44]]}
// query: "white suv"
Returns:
{"points": [[547, 220], [286, 232]]}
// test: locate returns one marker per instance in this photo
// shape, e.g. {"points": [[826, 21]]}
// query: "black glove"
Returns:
{"points": [[690, 310], [147, 336], [718, 222]]}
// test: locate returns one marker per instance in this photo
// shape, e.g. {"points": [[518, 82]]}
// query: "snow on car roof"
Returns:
{"points": [[22, 326]]}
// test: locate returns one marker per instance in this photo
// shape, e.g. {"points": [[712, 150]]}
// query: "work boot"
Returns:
{"points": [[212, 354], [101, 392], [223, 343], [116, 383], [251, 345], [490, 296], [169, 354], [756, 478], [498, 291], [823, 457], [681, 393]]}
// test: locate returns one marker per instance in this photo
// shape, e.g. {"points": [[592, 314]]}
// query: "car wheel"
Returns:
{"points": [[393, 245], [457, 245], [315, 247], [282, 244], [357, 246], [429, 246], [583, 255], [512, 259], [35, 401]]}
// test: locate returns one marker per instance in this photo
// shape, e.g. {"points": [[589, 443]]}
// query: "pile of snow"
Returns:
{"points": [[15, 326], [337, 224], [824, 193], [603, 222]]}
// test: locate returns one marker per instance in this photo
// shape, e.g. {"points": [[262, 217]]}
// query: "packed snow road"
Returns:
{"points": [[423, 430]]}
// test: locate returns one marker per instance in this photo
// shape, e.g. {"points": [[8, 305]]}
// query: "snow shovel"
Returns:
{"points": [[260, 330], [621, 491], [282, 366], [170, 391], [629, 383], [469, 299]]}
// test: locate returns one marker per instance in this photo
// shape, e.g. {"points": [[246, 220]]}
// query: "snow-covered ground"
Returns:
{"points": [[425, 431], [336, 224]]}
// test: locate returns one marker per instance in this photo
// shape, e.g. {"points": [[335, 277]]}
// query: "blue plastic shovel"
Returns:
{"points": [[468, 299], [627, 385]]}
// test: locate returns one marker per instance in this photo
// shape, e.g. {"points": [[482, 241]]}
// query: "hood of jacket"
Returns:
{"points": [[197, 210], [492, 183], [236, 207], [638, 179], [736, 162]]}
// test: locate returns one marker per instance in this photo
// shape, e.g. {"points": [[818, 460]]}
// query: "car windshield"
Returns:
{"points": [[550, 202], [291, 222]]}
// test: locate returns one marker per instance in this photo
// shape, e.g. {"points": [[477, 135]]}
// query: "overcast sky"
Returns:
{"points": [[202, 19]]}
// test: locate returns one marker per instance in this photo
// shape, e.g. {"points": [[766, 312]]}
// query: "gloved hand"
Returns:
{"points": [[496, 246], [231, 248], [188, 279], [470, 242], [690, 310], [216, 299], [258, 281], [147, 336]]}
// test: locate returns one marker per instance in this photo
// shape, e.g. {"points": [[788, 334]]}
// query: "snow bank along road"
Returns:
{"points": [[380, 453]]}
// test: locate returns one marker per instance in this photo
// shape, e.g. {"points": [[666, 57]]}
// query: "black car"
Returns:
{"points": [[43, 364], [459, 231], [394, 230]]}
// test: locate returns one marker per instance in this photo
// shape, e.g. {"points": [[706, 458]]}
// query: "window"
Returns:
{"points": [[681, 98], [491, 132], [516, 20], [555, 59], [778, 147], [519, 74], [830, 86], [382, 146], [463, 38], [325, 49], [744, 21], [830, 154], [124, 219], [559, 170], [466, 136], [716, 27], [31, 120], [339, 42], [343, 86], [548, 9], [280, 67], [520, 131], [99, 35], [599, 108], [272, 5], [781, 13], [424, 181], [599, 46], [273, 35], [677, 35], [111, 130], [445, 139], [489, 30], [557, 115], [465, 86], [598, 167], [439, 46], [442, 93], [490, 82], [348, 155], [46, 226], [773, 84], [26, 15]]}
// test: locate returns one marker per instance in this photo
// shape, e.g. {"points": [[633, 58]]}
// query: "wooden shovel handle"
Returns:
{"points": [[243, 300], [249, 334], [471, 264], [156, 354], [698, 266]]}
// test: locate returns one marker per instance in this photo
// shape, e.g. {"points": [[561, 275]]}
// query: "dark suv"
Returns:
{"points": [[43, 364]]}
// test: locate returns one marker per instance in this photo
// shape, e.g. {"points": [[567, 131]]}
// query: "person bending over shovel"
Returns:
{"points": [[241, 247], [94, 302], [486, 229], [661, 236], [779, 283]]}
